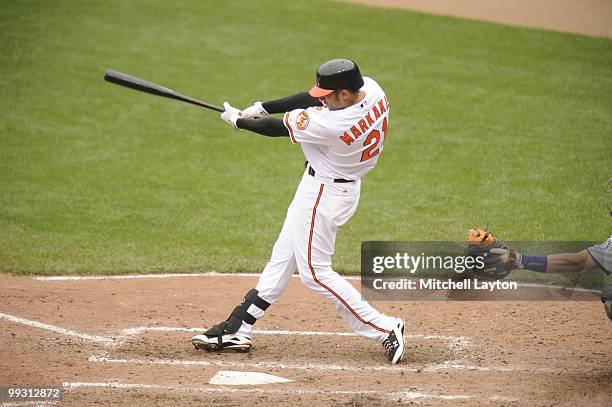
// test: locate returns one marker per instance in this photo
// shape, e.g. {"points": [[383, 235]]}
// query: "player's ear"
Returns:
{"points": [[344, 94]]}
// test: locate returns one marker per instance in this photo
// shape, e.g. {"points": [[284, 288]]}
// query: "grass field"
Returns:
{"points": [[490, 125]]}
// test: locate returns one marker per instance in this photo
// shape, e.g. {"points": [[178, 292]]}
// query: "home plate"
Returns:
{"points": [[231, 378]]}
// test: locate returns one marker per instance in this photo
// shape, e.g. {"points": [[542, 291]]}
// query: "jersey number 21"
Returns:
{"points": [[371, 142]]}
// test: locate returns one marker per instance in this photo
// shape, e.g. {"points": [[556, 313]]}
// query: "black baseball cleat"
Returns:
{"points": [[233, 343], [394, 344]]}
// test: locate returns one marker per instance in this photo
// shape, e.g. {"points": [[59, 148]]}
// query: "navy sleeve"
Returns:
{"points": [[300, 100], [266, 126]]}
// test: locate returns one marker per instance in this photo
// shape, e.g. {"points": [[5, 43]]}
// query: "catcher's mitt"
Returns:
{"points": [[499, 260]]}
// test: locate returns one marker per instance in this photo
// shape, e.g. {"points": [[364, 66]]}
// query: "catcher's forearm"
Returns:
{"points": [[559, 263], [300, 100], [569, 262]]}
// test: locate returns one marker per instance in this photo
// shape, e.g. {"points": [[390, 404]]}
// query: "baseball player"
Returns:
{"points": [[341, 125], [503, 259]]}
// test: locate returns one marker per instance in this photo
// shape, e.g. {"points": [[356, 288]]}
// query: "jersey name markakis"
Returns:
{"points": [[363, 125]]}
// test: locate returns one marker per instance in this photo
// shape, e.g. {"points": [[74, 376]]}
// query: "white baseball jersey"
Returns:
{"points": [[343, 143]]}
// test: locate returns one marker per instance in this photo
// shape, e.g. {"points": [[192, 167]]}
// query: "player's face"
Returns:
{"points": [[331, 101], [337, 100]]}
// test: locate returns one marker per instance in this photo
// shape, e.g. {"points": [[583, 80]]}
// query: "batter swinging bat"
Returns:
{"points": [[132, 82]]}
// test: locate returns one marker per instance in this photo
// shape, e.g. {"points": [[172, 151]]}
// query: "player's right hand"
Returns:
{"points": [[231, 114], [255, 111]]}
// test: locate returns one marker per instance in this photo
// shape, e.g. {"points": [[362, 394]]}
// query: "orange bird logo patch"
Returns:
{"points": [[302, 120]]}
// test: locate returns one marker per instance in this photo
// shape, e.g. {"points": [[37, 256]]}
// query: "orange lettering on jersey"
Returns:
{"points": [[369, 119], [376, 112], [385, 127], [348, 140], [363, 125]]}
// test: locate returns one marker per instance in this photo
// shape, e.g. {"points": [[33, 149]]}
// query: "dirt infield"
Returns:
{"points": [[126, 340], [588, 17]]}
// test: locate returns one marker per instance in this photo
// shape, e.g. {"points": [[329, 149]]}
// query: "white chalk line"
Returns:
{"points": [[398, 395], [104, 358], [162, 275], [217, 274], [559, 287], [129, 332], [67, 332], [33, 403], [111, 342], [455, 342], [140, 276], [433, 367]]}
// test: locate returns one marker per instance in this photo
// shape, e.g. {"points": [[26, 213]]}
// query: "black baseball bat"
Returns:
{"points": [[133, 82]]}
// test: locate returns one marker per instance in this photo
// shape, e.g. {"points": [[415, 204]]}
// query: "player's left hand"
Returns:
{"points": [[255, 111], [231, 114]]}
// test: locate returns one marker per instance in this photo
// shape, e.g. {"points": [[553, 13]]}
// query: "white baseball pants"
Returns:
{"points": [[307, 242]]}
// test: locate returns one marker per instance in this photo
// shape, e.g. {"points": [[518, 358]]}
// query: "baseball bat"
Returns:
{"points": [[132, 82]]}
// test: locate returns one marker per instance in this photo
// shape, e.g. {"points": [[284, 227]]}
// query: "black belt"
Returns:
{"points": [[312, 172]]}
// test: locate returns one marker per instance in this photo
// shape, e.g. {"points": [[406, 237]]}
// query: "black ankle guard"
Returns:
{"points": [[239, 314]]}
